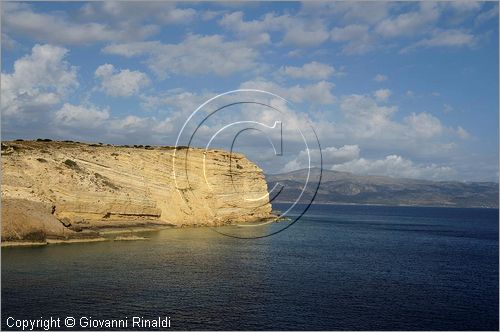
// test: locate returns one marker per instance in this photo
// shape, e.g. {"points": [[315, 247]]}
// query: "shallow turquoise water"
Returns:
{"points": [[340, 267]]}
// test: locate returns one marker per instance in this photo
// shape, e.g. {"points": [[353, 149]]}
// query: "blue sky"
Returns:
{"points": [[406, 89]]}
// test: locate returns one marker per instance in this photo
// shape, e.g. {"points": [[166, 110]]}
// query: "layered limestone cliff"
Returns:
{"points": [[68, 190]]}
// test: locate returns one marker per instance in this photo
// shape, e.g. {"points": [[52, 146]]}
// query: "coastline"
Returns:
{"points": [[394, 205], [114, 234]]}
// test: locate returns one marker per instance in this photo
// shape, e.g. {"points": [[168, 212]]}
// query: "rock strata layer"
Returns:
{"points": [[68, 190]]}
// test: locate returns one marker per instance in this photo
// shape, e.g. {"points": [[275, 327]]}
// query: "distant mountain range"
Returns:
{"points": [[347, 188]]}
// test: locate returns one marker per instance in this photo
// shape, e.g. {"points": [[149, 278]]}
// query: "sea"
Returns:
{"points": [[339, 267]]}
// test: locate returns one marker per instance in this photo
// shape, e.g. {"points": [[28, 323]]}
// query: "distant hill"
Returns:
{"points": [[347, 188]]}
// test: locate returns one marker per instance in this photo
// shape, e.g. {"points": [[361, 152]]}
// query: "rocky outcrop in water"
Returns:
{"points": [[70, 190]]}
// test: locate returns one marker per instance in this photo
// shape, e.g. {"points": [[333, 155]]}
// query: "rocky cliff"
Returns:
{"points": [[68, 190]]}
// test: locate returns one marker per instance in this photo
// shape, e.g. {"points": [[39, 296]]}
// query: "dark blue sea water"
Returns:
{"points": [[338, 268]]}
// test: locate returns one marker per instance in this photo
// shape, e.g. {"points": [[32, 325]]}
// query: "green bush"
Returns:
{"points": [[72, 164]]}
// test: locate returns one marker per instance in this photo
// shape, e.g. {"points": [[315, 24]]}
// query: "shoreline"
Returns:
{"points": [[11, 244], [104, 235], [108, 234], [394, 205]]}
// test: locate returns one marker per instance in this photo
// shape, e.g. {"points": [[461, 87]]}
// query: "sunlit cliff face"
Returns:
{"points": [[93, 186]]}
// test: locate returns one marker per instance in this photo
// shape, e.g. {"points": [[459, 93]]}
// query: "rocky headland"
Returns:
{"points": [[70, 191]]}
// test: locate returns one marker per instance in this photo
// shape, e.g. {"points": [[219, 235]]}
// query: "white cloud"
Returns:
{"points": [[40, 80], [255, 32], [194, 55], [297, 30], [445, 38], [348, 11], [424, 125], [54, 28], [306, 34], [80, 116], [317, 93], [462, 133], [95, 22], [349, 32], [464, 5], [330, 155], [360, 35], [382, 94], [8, 43], [380, 78], [374, 125], [176, 100], [367, 118], [131, 123], [208, 15], [358, 38], [409, 23], [311, 71], [163, 12], [396, 166], [488, 15], [123, 83], [177, 15]]}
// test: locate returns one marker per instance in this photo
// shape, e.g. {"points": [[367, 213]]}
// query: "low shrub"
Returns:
{"points": [[72, 164]]}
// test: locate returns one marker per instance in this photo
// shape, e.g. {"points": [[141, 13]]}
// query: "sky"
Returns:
{"points": [[402, 89]]}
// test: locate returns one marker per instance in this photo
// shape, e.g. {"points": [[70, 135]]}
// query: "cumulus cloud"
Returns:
{"points": [[369, 121], [348, 12], [409, 23], [424, 124], [310, 71], [194, 55], [382, 94], [445, 38], [131, 124], [360, 35], [160, 12], [296, 30], [80, 116], [255, 31], [120, 83], [39, 81], [349, 32], [20, 19], [306, 34], [96, 22], [462, 133], [358, 38], [367, 118], [396, 166], [317, 93], [331, 156], [347, 158]]}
